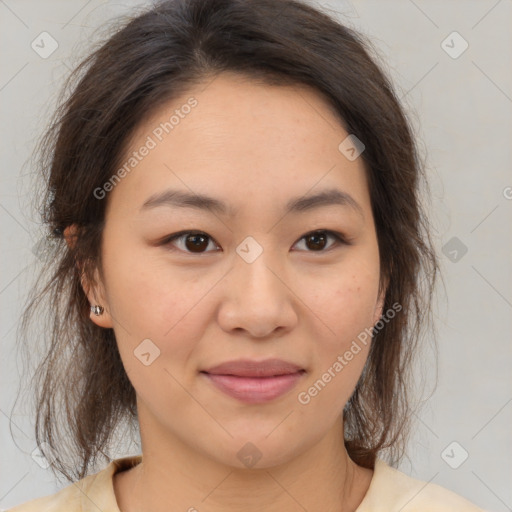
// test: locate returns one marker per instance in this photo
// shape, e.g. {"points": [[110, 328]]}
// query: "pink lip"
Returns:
{"points": [[255, 382]]}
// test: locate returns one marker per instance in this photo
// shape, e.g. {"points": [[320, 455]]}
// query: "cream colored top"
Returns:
{"points": [[390, 491]]}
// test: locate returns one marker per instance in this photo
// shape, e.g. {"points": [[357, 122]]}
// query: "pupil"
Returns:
{"points": [[196, 244], [315, 237]]}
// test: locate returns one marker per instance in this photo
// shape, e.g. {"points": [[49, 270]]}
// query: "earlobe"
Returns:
{"points": [[99, 311], [100, 316], [98, 305]]}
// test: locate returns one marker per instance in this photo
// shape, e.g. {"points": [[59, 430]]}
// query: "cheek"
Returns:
{"points": [[150, 300], [145, 291], [345, 307], [346, 303]]}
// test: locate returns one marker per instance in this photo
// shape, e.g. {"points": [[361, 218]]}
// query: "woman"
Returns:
{"points": [[241, 269]]}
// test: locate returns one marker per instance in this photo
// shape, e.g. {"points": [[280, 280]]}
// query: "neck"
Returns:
{"points": [[321, 478]]}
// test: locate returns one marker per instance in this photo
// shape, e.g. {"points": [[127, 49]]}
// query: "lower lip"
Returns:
{"points": [[255, 390]]}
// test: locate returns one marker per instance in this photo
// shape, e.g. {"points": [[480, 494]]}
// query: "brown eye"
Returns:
{"points": [[193, 242], [317, 241], [196, 243]]}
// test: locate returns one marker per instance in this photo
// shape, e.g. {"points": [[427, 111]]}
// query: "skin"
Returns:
{"points": [[255, 147]]}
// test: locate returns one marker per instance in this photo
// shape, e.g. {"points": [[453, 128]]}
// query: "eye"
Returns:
{"points": [[317, 240], [196, 242]]}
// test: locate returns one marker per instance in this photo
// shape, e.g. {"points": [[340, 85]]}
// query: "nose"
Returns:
{"points": [[257, 298]]}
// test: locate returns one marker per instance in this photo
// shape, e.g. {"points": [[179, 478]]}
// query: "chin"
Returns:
{"points": [[258, 449]]}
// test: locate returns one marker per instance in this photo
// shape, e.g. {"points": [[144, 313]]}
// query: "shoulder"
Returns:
{"points": [[390, 489], [92, 493], [69, 498]]}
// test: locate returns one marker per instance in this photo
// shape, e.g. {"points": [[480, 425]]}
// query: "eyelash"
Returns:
{"points": [[339, 237]]}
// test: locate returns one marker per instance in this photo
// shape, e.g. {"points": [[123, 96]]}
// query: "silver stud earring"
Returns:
{"points": [[97, 310]]}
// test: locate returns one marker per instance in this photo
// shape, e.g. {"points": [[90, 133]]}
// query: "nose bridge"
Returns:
{"points": [[253, 265], [255, 298]]}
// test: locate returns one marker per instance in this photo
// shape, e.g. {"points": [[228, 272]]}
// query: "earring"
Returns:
{"points": [[97, 310]]}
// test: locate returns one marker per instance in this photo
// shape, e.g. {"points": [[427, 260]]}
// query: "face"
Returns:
{"points": [[265, 277]]}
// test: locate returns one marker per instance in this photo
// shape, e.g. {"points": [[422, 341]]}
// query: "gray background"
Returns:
{"points": [[461, 108]]}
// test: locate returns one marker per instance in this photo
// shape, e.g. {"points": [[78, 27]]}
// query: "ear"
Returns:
{"points": [[95, 292], [379, 306]]}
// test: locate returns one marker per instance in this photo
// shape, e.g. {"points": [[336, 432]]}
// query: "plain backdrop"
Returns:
{"points": [[451, 62]]}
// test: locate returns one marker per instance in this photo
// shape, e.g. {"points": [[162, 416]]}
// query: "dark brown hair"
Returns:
{"points": [[81, 390]]}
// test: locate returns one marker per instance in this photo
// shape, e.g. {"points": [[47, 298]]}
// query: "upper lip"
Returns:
{"points": [[251, 368]]}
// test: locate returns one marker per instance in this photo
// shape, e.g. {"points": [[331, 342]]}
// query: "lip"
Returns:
{"points": [[251, 368], [255, 381]]}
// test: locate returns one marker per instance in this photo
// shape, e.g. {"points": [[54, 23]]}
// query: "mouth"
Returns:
{"points": [[255, 381]]}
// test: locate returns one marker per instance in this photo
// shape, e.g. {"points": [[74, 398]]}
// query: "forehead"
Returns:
{"points": [[240, 139], [240, 114]]}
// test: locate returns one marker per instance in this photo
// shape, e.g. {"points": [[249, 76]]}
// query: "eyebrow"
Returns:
{"points": [[183, 199]]}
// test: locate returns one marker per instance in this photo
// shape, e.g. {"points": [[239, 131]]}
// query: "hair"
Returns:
{"points": [[158, 55]]}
